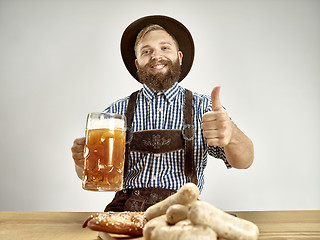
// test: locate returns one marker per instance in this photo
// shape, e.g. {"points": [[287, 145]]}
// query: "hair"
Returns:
{"points": [[147, 29]]}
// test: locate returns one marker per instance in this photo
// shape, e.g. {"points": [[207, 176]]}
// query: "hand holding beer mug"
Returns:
{"points": [[104, 152]]}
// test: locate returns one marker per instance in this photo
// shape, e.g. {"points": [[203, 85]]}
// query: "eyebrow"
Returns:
{"points": [[162, 43]]}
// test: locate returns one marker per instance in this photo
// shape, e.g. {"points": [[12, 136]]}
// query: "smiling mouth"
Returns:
{"points": [[158, 67]]}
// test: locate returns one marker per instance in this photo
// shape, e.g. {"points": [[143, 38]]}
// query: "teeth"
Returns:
{"points": [[158, 66]]}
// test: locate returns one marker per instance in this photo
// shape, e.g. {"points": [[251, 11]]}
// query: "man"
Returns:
{"points": [[172, 129]]}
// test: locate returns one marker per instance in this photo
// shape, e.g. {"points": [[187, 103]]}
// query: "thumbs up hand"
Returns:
{"points": [[216, 125]]}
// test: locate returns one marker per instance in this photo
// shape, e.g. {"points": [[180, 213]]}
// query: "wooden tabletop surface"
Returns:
{"points": [[68, 225]]}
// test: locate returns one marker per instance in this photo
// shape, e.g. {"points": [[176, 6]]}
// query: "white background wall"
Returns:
{"points": [[60, 60]]}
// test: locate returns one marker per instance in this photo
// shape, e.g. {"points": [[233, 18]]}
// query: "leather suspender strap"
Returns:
{"points": [[188, 135], [129, 117]]}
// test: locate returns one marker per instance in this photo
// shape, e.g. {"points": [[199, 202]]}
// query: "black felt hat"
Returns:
{"points": [[172, 26]]}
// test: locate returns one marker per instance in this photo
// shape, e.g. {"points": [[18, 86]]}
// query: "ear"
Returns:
{"points": [[180, 56], [136, 63]]}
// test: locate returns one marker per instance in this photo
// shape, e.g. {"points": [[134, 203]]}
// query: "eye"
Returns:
{"points": [[165, 48], [145, 52]]}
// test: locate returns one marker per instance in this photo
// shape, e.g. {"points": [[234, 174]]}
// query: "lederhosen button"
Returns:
{"points": [[136, 192]]}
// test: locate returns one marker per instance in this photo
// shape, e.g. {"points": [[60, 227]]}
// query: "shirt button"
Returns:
{"points": [[159, 109], [157, 155], [136, 192], [154, 178]]}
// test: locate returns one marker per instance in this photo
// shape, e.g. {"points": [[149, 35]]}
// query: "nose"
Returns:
{"points": [[156, 55]]}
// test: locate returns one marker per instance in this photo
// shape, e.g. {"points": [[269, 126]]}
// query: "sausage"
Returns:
{"points": [[184, 223], [152, 224], [176, 213], [183, 232], [224, 224], [187, 194]]}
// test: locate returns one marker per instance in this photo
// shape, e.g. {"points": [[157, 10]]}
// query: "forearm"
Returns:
{"points": [[239, 151]]}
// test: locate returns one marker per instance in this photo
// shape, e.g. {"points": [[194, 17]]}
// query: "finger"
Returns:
{"points": [[214, 116], [211, 134], [80, 141], [215, 98], [77, 156], [78, 145], [209, 116], [216, 142], [78, 159], [77, 148], [208, 126]]}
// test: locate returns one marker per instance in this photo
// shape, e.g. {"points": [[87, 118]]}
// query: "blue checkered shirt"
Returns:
{"points": [[166, 111]]}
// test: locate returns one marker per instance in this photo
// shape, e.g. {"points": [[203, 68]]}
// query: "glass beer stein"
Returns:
{"points": [[104, 152]]}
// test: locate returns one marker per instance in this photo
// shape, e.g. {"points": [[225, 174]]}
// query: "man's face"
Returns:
{"points": [[158, 60]]}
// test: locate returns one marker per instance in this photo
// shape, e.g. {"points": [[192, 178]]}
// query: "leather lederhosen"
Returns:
{"points": [[155, 142]]}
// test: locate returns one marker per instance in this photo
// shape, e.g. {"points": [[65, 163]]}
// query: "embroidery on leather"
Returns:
{"points": [[156, 141]]}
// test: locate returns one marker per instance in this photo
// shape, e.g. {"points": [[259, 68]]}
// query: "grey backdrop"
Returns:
{"points": [[61, 60]]}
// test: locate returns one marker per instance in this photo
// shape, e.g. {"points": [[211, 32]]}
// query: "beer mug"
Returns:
{"points": [[104, 152]]}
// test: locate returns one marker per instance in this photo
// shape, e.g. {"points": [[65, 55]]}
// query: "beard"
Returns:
{"points": [[160, 81]]}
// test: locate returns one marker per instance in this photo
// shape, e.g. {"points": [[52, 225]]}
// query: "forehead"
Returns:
{"points": [[156, 37]]}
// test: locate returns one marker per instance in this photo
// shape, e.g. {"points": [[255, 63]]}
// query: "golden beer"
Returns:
{"points": [[104, 159]]}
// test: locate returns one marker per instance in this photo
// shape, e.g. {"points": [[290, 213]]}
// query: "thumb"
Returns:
{"points": [[215, 98]]}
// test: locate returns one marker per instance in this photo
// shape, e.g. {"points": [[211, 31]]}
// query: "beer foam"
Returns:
{"points": [[106, 123]]}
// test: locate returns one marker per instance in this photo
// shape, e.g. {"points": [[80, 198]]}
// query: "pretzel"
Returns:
{"points": [[129, 223]]}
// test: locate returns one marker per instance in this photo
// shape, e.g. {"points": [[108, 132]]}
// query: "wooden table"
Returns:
{"points": [[68, 225]]}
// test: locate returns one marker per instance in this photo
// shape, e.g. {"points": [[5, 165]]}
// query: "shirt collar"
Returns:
{"points": [[169, 94]]}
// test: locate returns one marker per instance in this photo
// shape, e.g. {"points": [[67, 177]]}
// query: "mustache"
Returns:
{"points": [[162, 61]]}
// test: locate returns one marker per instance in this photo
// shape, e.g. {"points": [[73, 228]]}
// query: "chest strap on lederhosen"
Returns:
{"points": [[163, 140]]}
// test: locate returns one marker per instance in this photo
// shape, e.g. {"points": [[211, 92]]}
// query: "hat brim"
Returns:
{"points": [[172, 26]]}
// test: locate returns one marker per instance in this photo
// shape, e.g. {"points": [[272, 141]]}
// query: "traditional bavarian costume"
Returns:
{"points": [[157, 141]]}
